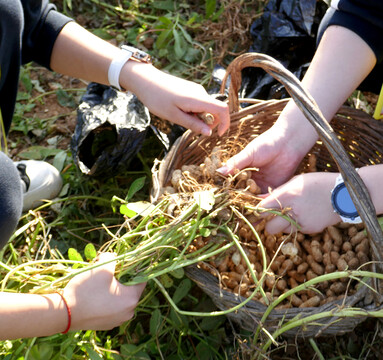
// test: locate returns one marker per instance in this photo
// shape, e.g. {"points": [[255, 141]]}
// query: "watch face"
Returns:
{"points": [[342, 202]]}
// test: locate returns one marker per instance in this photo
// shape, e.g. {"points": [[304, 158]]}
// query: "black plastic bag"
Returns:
{"points": [[286, 31], [110, 130]]}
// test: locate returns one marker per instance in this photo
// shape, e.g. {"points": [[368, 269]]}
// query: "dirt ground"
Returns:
{"points": [[61, 119]]}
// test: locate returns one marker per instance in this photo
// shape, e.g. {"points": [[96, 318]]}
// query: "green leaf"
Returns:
{"points": [[210, 6], [182, 290], [41, 352], [131, 351], [142, 208], [192, 54], [26, 79], [205, 232], [180, 322], [163, 39], [179, 48], [136, 186], [74, 255], [204, 351], [90, 252], [93, 355], [38, 153], [209, 323], [166, 21], [178, 273], [65, 99], [155, 322], [169, 5], [124, 210], [205, 199], [59, 160], [166, 280], [185, 34]]}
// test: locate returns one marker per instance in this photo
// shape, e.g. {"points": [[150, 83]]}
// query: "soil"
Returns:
{"points": [[61, 119]]}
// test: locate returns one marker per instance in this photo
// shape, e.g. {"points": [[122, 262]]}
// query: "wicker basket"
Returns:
{"points": [[359, 142]]}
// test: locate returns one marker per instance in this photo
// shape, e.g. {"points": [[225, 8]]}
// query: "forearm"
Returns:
{"points": [[80, 54], [31, 315], [372, 177], [340, 64]]}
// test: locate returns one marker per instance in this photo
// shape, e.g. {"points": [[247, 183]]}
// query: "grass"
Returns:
{"points": [[90, 211]]}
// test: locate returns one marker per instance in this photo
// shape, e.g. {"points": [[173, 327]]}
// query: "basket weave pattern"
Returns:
{"points": [[353, 140]]}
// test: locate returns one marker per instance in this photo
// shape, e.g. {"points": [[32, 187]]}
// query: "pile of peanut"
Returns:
{"points": [[290, 259]]}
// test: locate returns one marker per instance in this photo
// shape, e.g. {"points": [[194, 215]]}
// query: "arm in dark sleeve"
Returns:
{"points": [[365, 18], [42, 26]]}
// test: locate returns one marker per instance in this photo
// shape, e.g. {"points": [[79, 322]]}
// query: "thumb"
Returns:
{"points": [[239, 161], [107, 258], [110, 267]]}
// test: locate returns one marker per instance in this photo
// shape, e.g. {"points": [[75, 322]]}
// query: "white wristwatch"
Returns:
{"points": [[126, 53], [342, 203]]}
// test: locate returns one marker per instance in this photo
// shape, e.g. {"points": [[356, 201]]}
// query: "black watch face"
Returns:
{"points": [[342, 202]]}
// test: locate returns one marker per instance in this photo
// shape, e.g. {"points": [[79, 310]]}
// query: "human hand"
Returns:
{"points": [[308, 198], [175, 99], [273, 153], [98, 301]]}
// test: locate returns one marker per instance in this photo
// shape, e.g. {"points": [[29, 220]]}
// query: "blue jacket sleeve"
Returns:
{"points": [[42, 25], [365, 18]]}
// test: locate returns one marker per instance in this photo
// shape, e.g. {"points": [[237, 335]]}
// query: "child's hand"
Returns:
{"points": [[98, 301]]}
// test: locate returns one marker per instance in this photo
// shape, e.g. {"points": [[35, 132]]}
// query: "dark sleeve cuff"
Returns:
{"points": [[371, 33], [53, 25], [41, 46]]}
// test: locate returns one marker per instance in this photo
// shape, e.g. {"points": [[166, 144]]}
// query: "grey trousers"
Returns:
{"points": [[11, 198]]}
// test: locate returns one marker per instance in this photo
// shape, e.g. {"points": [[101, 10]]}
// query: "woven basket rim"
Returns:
{"points": [[190, 142]]}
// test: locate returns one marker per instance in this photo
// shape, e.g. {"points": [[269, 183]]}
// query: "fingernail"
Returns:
{"points": [[206, 131], [223, 170]]}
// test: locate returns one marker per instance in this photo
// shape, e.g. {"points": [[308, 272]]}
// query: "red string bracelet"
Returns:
{"points": [[68, 311]]}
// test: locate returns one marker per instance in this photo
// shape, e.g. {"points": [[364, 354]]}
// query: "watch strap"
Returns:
{"points": [[340, 193], [115, 67], [126, 53]]}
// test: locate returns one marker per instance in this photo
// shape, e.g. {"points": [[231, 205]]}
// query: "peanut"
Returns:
{"points": [[364, 246], [311, 274], [353, 263], [298, 277], [327, 246], [341, 264], [363, 258], [253, 187], [336, 235], [240, 269], [334, 256], [281, 285], [270, 281], [338, 288], [349, 255], [346, 246], [286, 266], [296, 301], [357, 238], [302, 268], [316, 267], [352, 231], [330, 268], [312, 302]]}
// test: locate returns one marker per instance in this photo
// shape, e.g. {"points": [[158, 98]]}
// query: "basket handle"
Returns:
{"points": [[310, 109]]}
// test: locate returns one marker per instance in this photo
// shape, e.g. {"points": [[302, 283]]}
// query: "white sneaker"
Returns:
{"points": [[39, 181]]}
